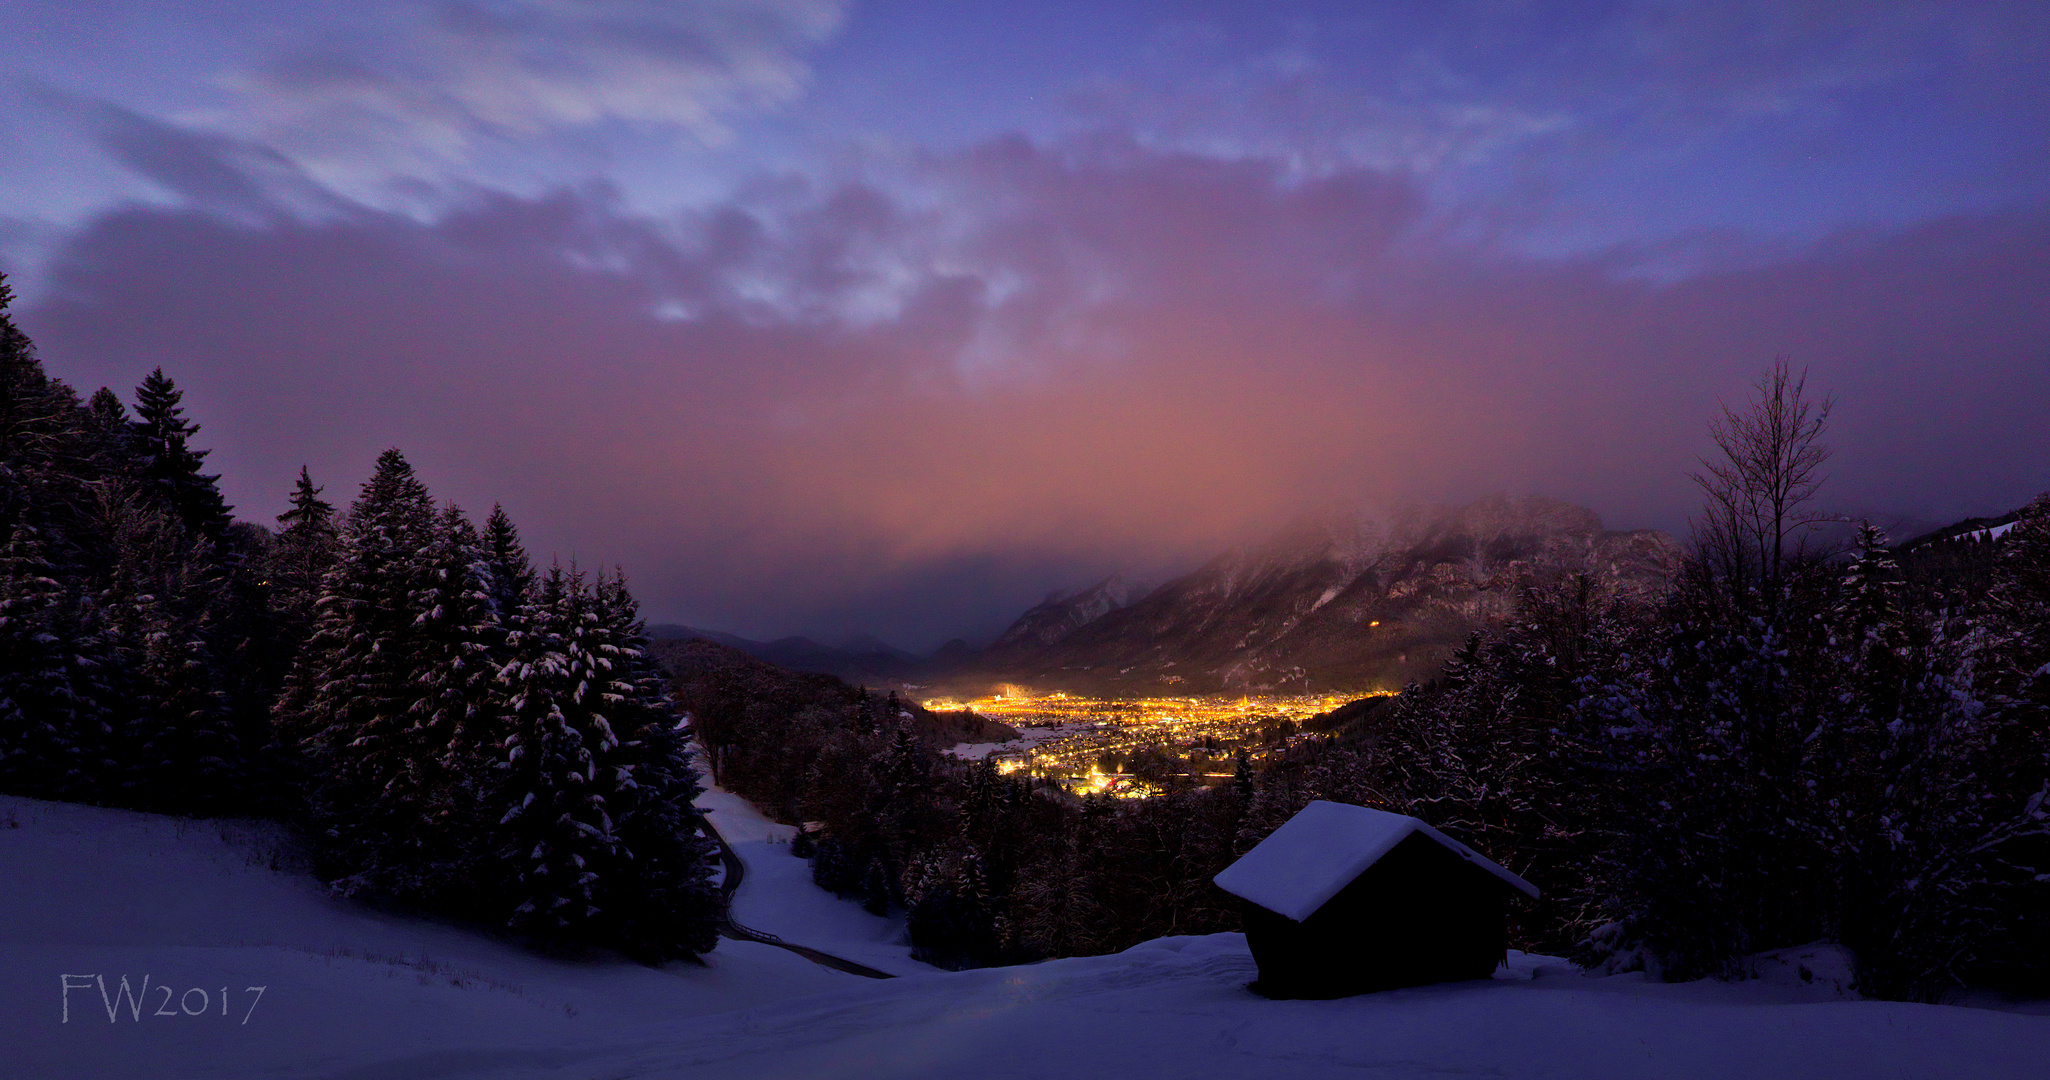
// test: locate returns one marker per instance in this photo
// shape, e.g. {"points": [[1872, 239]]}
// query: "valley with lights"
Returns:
{"points": [[1137, 747]]}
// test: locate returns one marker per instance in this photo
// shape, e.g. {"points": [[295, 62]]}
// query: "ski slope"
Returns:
{"points": [[351, 993]]}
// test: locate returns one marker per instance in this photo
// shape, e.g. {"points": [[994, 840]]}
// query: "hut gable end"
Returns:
{"points": [[1317, 853]]}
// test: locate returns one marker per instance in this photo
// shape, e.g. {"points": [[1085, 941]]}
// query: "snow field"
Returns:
{"points": [[353, 993], [86, 891]]}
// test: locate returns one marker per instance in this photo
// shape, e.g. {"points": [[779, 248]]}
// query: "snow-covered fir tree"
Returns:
{"points": [[559, 826], [59, 671], [55, 701], [454, 719], [181, 747], [661, 902], [359, 706], [300, 556], [512, 572], [598, 836], [49, 471], [1869, 593]]}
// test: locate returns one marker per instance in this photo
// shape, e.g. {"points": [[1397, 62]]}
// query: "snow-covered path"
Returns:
{"points": [[778, 897], [735, 872]]}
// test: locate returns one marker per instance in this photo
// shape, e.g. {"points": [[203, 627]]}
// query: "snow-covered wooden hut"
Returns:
{"points": [[1345, 899]]}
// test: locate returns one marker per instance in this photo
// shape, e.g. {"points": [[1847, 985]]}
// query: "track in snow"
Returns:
{"points": [[735, 871]]}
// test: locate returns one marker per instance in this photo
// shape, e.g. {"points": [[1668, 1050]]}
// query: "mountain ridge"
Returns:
{"points": [[1337, 602]]}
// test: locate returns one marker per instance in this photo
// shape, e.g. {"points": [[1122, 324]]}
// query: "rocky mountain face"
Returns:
{"points": [[1334, 604], [1061, 614]]}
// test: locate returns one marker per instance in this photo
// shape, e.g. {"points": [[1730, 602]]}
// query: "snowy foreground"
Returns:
{"points": [[196, 908]]}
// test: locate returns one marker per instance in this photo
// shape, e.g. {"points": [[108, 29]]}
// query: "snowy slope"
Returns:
{"points": [[86, 891], [1176, 1008], [358, 995], [777, 895]]}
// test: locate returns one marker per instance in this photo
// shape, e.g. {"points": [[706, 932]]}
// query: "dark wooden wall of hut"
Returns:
{"points": [[1421, 914]]}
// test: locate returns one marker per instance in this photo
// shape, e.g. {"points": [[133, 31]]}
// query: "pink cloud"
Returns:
{"points": [[841, 405]]}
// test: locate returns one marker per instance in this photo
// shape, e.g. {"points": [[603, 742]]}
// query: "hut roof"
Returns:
{"points": [[1321, 850]]}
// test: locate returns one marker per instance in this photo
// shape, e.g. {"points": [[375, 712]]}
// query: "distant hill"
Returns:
{"points": [[1979, 529], [1332, 604], [710, 676], [862, 660], [1958, 558]]}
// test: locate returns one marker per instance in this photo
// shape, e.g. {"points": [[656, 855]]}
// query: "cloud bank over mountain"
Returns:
{"points": [[909, 377]]}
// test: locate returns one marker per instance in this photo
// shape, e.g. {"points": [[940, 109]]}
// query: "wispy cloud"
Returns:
{"points": [[433, 89]]}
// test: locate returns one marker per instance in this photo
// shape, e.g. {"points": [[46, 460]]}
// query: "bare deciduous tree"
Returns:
{"points": [[1759, 494]]}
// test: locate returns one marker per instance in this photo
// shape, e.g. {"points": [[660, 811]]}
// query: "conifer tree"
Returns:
{"points": [[14, 345], [661, 902], [181, 747], [46, 460], [54, 701], [300, 556], [512, 573], [112, 432], [453, 719], [309, 512], [348, 706], [559, 827], [106, 407], [58, 669], [1870, 590], [600, 840], [168, 463]]}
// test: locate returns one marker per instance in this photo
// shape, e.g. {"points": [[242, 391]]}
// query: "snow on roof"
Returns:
{"points": [[1314, 854]]}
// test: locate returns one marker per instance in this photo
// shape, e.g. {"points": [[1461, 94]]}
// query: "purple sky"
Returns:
{"points": [[823, 317]]}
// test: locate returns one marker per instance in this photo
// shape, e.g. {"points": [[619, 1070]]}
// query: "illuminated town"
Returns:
{"points": [[1136, 747]]}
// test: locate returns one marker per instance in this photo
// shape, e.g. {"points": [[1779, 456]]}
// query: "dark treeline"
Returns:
{"points": [[450, 730], [1788, 746]]}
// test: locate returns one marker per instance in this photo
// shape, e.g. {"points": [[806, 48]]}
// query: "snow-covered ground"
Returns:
{"points": [[777, 895], [107, 893], [1028, 737], [354, 994]]}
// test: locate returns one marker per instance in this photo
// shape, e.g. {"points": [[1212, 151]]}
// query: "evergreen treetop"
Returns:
{"points": [[169, 465], [309, 512], [512, 573]]}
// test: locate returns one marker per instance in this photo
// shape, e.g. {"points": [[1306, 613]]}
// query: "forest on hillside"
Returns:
{"points": [[451, 731]]}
